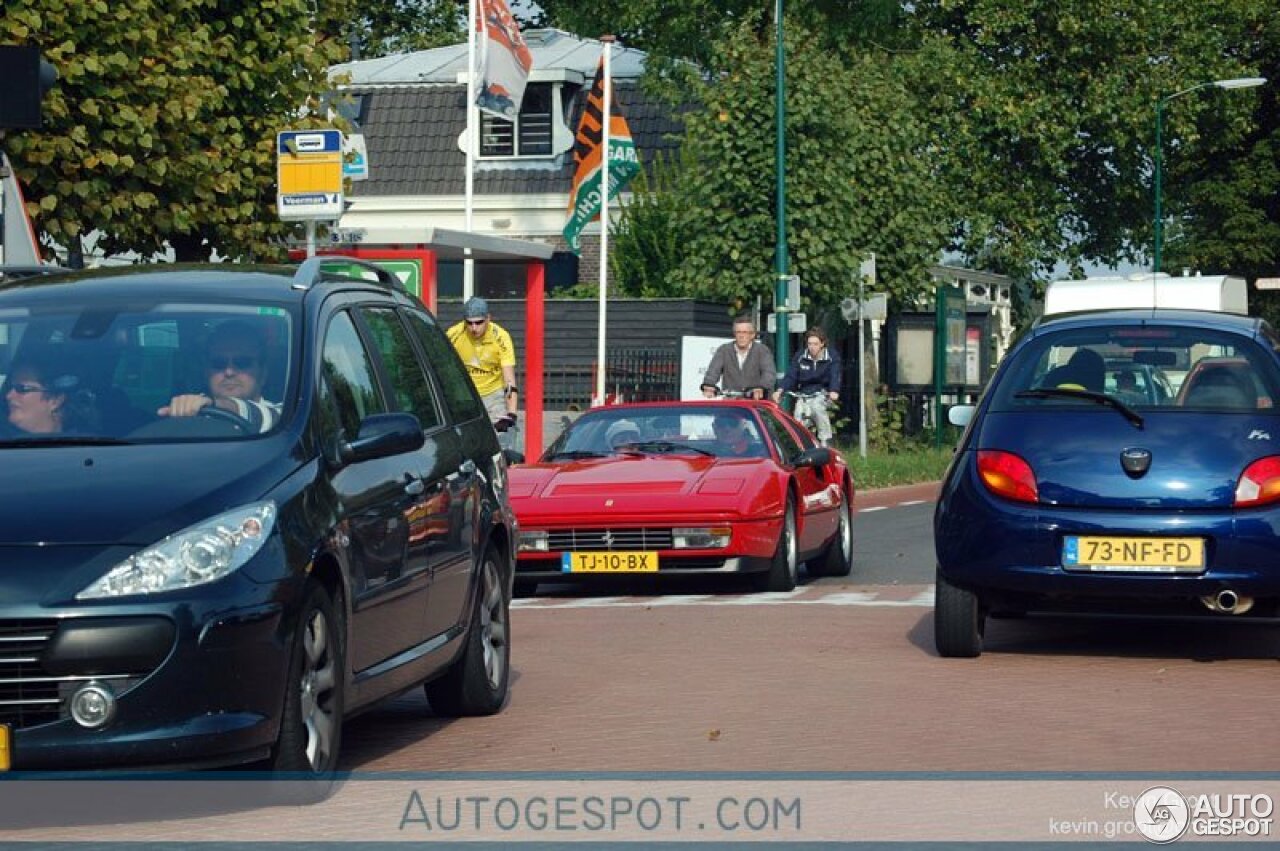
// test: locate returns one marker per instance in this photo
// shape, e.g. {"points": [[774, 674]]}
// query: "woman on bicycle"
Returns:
{"points": [[814, 379]]}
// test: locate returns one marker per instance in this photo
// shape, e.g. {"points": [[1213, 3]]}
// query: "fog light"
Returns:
{"points": [[533, 542], [93, 705], [701, 538]]}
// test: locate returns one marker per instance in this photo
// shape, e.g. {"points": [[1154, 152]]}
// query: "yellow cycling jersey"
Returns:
{"points": [[484, 358]]}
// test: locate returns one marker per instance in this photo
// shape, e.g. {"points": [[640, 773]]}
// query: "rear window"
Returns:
{"points": [[1146, 367]]}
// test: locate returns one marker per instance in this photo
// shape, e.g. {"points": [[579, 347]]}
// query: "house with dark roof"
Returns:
{"points": [[412, 111]]}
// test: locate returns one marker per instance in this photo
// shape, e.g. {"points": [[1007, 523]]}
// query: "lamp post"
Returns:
{"points": [[1237, 83], [782, 355]]}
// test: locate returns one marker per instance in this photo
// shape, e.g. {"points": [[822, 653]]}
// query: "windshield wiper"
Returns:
{"points": [[63, 440], [576, 453], [662, 447], [1069, 393]]}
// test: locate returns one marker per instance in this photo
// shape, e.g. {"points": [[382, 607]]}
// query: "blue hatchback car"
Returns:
{"points": [[1066, 495], [238, 504]]}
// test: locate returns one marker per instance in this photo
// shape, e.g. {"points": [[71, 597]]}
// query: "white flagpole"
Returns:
{"points": [[604, 219], [468, 265]]}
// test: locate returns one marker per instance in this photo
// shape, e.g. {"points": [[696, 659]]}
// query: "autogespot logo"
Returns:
{"points": [[1161, 814]]}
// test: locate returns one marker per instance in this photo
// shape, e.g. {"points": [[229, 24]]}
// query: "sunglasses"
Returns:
{"points": [[23, 388], [476, 322], [240, 363]]}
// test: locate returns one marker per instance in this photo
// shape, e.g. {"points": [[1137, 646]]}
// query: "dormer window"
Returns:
{"points": [[530, 134]]}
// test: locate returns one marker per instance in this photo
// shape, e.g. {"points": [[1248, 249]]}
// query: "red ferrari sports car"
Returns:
{"points": [[708, 487]]}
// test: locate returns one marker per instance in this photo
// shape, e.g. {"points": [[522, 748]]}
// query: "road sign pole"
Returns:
{"points": [[311, 238], [862, 381]]}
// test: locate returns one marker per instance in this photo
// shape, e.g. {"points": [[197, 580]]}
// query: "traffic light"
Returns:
{"points": [[26, 78]]}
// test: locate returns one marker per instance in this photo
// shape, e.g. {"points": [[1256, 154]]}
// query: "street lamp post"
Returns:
{"points": [[782, 355], [1237, 83]]}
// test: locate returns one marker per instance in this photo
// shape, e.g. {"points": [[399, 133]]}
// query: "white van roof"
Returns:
{"points": [[1222, 293]]}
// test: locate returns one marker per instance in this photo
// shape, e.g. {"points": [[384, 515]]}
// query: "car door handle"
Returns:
{"points": [[415, 487]]}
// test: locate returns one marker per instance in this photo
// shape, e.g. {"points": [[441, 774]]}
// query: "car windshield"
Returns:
{"points": [[1144, 367], [110, 371], [693, 430]]}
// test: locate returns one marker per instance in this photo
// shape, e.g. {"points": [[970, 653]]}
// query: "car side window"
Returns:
{"points": [[459, 391], [348, 375], [782, 436], [413, 390]]}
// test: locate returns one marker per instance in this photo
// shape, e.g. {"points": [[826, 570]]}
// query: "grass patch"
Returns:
{"points": [[905, 467]]}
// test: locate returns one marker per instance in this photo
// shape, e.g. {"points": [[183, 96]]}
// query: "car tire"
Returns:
{"points": [[476, 684], [837, 560], [958, 621], [784, 567], [311, 723]]}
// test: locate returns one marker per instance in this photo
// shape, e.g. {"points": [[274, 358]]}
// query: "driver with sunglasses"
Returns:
{"points": [[236, 367], [486, 350]]}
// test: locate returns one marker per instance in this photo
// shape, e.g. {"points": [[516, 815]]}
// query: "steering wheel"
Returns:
{"points": [[213, 412]]}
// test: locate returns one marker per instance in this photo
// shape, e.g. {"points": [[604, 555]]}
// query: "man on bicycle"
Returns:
{"points": [[814, 379], [743, 367]]}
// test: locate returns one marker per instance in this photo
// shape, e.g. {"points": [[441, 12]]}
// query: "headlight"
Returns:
{"points": [[194, 556], [701, 538], [533, 542]]}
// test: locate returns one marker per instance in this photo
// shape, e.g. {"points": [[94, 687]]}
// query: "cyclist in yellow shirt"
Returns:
{"points": [[489, 355]]}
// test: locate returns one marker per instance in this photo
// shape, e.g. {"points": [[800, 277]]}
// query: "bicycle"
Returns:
{"points": [[736, 394], [806, 405]]}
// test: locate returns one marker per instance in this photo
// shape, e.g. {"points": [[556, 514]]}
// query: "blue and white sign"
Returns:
{"points": [[355, 158]]}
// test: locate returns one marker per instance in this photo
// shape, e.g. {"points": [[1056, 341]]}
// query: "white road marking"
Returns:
{"points": [[914, 502], [873, 508], [922, 599]]}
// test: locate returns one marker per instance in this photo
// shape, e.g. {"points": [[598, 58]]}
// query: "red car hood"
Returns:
{"points": [[644, 485]]}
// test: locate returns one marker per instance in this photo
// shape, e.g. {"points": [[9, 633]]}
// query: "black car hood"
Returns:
{"points": [[130, 495]]}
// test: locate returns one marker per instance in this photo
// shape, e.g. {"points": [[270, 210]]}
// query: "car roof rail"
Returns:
{"points": [[15, 272], [311, 271]]}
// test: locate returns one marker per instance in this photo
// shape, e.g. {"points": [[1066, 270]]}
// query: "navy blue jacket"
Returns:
{"points": [[807, 375]]}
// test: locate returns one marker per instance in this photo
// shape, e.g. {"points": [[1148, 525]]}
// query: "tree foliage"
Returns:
{"points": [[859, 175], [1049, 109], [161, 128], [385, 27]]}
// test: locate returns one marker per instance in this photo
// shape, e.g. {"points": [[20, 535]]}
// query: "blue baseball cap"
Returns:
{"points": [[475, 308]]}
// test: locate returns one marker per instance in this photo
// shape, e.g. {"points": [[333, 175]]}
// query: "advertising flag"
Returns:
{"points": [[503, 57], [584, 196]]}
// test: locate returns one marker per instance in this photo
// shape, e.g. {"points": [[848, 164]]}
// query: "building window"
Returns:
{"points": [[529, 135]]}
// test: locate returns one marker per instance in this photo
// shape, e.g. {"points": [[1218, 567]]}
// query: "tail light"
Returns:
{"points": [[1007, 475], [1259, 483]]}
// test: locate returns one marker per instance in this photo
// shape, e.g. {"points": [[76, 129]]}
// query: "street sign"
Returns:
{"points": [[867, 269], [876, 306], [309, 174], [408, 271], [796, 323], [1267, 283]]}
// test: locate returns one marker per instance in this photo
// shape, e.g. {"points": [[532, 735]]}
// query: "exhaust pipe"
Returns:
{"points": [[1227, 602]]}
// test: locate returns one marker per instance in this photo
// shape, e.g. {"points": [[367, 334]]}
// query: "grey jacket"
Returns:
{"points": [[758, 370]]}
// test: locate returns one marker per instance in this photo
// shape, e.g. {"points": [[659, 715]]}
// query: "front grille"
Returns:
{"points": [[28, 695], [586, 540]]}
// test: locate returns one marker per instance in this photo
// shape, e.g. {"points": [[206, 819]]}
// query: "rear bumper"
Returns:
{"points": [[1008, 550], [548, 569]]}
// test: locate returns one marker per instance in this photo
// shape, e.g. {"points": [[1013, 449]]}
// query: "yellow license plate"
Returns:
{"points": [[609, 562], [1133, 555], [6, 748]]}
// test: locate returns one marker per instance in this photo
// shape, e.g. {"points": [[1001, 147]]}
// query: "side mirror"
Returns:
{"points": [[960, 415], [819, 456], [512, 456], [382, 435]]}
